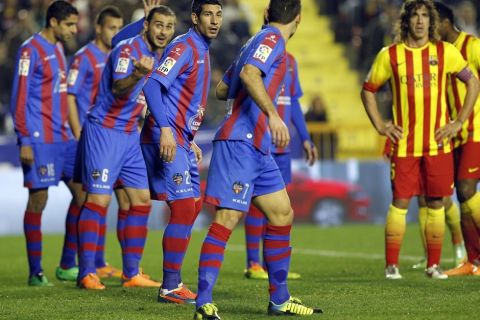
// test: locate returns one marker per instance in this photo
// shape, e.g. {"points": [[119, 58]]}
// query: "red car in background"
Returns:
{"points": [[323, 202]]}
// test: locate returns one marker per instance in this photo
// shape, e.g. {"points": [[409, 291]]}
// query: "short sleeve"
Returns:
{"points": [[227, 77], [265, 51], [76, 74], [122, 61], [172, 63], [379, 73], [454, 62]]}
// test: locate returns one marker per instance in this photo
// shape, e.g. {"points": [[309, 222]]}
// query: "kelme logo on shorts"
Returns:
{"points": [[237, 187], [178, 178]]}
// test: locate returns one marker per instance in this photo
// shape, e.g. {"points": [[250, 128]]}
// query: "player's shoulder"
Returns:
{"points": [[269, 36], [126, 45], [28, 45], [179, 46]]}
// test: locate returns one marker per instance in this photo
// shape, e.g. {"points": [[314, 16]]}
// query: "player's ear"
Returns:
{"points": [[53, 22], [194, 18], [145, 25], [98, 29]]}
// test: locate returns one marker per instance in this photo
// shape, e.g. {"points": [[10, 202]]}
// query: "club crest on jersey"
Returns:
{"points": [[95, 174], [122, 65], [42, 170], [195, 121], [177, 178], [167, 65], [237, 187], [24, 64], [433, 60], [262, 53]]}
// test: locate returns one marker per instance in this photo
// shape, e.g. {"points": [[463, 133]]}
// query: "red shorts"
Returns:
{"points": [[467, 161], [431, 176]]}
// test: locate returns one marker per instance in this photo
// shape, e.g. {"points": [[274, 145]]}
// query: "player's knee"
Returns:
{"points": [[465, 191], [281, 217], [37, 200], [228, 218], [102, 200], [403, 203]]}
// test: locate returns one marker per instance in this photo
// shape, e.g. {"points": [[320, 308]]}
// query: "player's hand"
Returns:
{"points": [[142, 66], [198, 153], [168, 145], [311, 152], [148, 5], [280, 134], [392, 131], [448, 131], [26, 155]]}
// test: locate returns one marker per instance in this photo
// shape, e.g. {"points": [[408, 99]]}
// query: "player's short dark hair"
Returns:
{"points": [[164, 10], [444, 12], [197, 5], [408, 8], [283, 11], [60, 10], [108, 11]]}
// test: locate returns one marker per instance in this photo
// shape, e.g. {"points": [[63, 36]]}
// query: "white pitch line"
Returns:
{"points": [[340, 254]]}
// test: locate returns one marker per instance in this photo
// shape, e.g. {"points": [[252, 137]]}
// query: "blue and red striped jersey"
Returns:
{"points": [[39, 96], [244, 120], [184, 75], [289, 95], [121, 113], [84, 76]]}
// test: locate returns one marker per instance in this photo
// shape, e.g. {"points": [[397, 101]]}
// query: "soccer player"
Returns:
{"points": [[242, 166], [40, 111], [288, 107], [109, 150], [417, 66], [83, 80], [466, 143], [177, 92]]}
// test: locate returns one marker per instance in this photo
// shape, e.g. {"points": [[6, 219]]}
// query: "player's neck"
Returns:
{"points": [[49, 35], [452, 36], [285, 29], [416, 43], [100, 45]]}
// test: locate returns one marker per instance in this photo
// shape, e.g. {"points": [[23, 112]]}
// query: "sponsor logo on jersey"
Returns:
{"points": [[95, 174], [72, 77], [195, 121], [177, 178], [167, 65], [237, 187], [262, 53], [472, 170], [24, 64], [122, 65]]}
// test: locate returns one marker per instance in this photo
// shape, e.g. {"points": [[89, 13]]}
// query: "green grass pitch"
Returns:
{"points": [[341, 267]]}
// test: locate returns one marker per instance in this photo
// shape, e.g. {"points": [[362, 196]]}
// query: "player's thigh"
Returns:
{"points": [[122, 198], [405, 177], [138, 197], [194, 174], [233, 169], [68, 156], [437, 175], [284, 163]]}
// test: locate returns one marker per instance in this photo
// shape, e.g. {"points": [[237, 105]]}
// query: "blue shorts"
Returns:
{"points": [[70, 155], [108, 157], [50, 165], [175, 180], [239, 172], [284, 163]]}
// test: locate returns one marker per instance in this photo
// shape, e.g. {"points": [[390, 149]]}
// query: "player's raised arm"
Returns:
{"points": [[251, 78]]}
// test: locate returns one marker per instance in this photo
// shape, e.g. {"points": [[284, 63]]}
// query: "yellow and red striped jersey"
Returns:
{"points": [[418, 78], [469, 47]]}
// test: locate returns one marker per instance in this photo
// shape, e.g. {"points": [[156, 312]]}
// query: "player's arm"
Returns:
{"points": [[153, 96], [20, 93], [384, 128], [73, 118], [198, 152], [140, 69], [251, 78], [473, 86], [221, 91], [298, 120]]}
